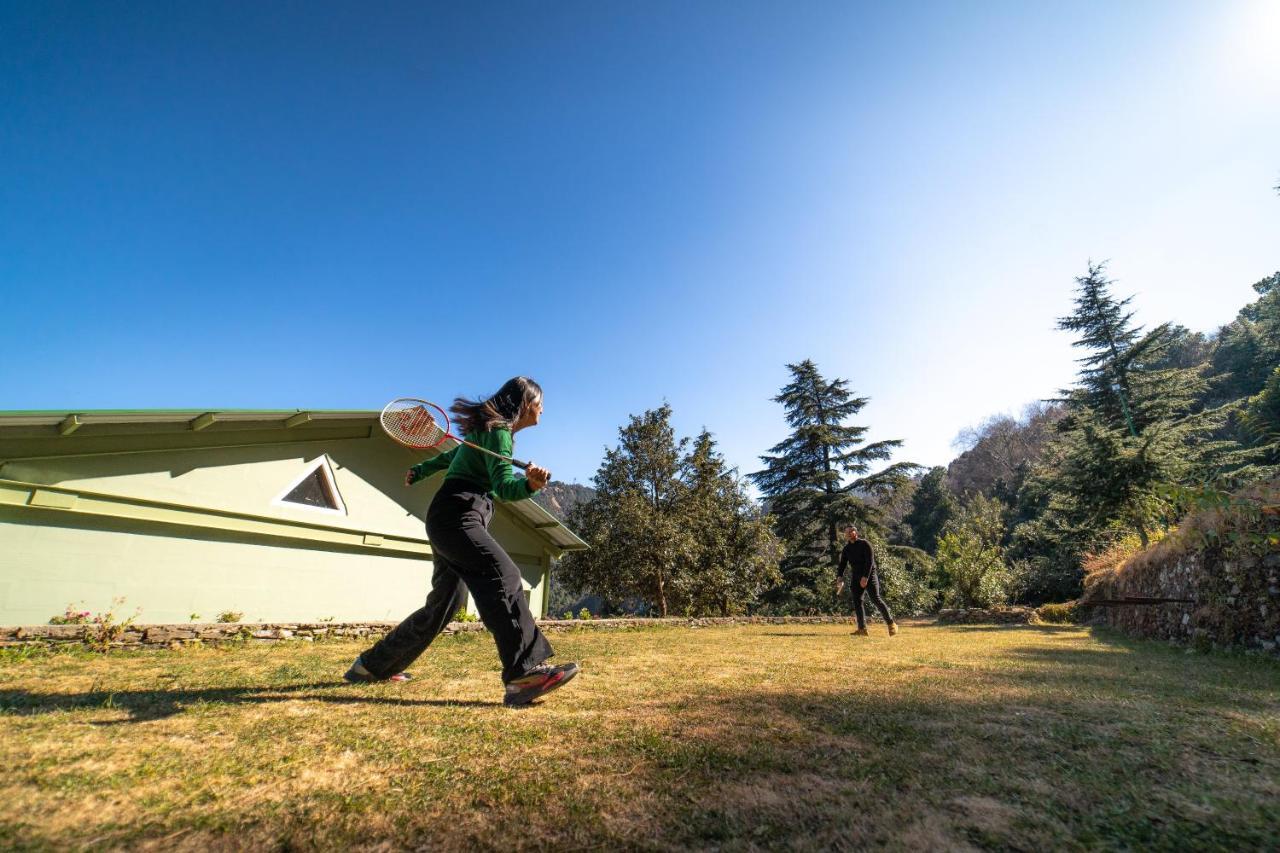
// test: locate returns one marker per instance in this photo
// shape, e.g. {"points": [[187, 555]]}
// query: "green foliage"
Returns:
{"points": [[71, 616], [230, 616], [463, 615], [670, 526], [1246, 522], [584, 614], [818, 478], [735, 552], [932, 506], [970, 564], [1260, 418], [1132, 422], [905, 575]]}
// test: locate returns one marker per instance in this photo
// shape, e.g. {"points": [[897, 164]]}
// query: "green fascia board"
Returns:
{"points": [[18, 495]]}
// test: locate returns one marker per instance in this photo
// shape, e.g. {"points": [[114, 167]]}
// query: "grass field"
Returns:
{"points": [[740, 737]]}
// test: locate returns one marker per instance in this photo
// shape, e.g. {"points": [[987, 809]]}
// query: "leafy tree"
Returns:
{"points": [[970, 561], [905, 575], [818, 477], [999, 452]]}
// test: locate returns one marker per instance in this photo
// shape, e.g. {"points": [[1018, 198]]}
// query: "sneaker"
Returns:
{"points": [[543, 678], [893, 628], [359, 675], [861, 632]]}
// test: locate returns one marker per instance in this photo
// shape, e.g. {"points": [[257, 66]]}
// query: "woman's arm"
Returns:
{"points": [[427, 467], [503, 482]]}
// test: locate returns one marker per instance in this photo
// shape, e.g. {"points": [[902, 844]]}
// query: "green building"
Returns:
{"points": [[279, 515]]}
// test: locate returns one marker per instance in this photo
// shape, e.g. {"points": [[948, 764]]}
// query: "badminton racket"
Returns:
{"points": [[423, 425]]}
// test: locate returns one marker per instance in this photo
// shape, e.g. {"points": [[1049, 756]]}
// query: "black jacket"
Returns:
{"points": [[857, 555]]}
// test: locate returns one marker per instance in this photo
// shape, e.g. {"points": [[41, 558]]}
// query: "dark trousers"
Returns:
{"points": [[466, 557], [873, 592]]}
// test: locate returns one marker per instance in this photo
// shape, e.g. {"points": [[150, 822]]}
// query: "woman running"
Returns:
{"points": [[467, 557]]}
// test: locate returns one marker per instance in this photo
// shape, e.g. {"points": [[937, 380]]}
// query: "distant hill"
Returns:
{"points": [[560, 498]]}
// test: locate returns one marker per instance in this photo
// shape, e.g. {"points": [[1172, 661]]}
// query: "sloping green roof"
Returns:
{"points": [[28, 434]]}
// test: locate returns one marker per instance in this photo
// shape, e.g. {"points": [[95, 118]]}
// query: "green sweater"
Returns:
{"points": [[485, 472]]}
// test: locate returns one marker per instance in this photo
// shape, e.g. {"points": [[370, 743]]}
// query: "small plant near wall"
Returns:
{"points": [[325, 619], [109, 627], [463, 616], [229, 616], [194, 617], [584, 613], [72, 616]]}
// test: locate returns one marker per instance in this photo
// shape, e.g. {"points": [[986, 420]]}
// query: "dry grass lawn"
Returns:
{"points": [[731, 738]]}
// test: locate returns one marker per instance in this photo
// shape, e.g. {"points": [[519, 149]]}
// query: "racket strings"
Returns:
{"points": [[414, 425]]}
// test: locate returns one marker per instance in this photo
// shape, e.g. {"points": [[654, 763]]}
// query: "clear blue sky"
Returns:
{"points": [[329, 205]]}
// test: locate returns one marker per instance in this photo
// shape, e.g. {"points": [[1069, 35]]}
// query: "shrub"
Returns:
{"points": [[229, 616], [1064, 613], [108, 629], [463, 616], [72, 616], [584, 613]]}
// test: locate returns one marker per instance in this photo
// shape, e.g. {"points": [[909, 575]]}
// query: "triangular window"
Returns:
{"points": [[314, 490]]}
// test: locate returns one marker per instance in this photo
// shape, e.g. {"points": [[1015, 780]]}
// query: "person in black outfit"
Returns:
{"points": [[467, 557], [860, 560]]}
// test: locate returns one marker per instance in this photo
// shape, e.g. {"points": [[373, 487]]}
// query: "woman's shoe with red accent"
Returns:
{"points": [[540, 680]]}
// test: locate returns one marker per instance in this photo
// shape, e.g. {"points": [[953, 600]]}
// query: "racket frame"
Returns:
{"points": [[382, 421]]}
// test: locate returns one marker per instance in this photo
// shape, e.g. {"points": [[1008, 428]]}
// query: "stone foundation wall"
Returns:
{"points": [[168, 636]]}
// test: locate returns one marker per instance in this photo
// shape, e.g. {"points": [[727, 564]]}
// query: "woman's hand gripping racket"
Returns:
{"points": [[422, 426]]}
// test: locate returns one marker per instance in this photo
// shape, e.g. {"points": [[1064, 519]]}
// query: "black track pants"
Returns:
{"points": [[465, 554], [873, 591]]}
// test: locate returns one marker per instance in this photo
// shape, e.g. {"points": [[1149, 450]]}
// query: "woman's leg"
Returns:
{"points": [[394, 652], [494, 581]]}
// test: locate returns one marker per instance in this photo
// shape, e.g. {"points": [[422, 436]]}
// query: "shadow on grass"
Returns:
{"points": [[1062, 745], [145, 705], [792, 634], [1014, 626]]}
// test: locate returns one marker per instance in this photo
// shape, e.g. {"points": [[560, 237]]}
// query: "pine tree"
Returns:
{"points": [[817, 478], [638, 538], [1131, 426], [932, 506], [736, 553], [671, 528]]}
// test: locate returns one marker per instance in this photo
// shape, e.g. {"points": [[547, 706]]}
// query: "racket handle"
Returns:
{"points": [[523, 466]]}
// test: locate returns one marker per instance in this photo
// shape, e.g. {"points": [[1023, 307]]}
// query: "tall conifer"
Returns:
{"points": [[818, 477]]}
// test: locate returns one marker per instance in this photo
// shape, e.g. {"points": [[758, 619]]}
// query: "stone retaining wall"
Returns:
{"points": [[168, 636], [1235, 598], [988, 616]]}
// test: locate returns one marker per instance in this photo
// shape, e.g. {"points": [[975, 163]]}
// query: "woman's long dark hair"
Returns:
{"points": [[500, 410]]}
